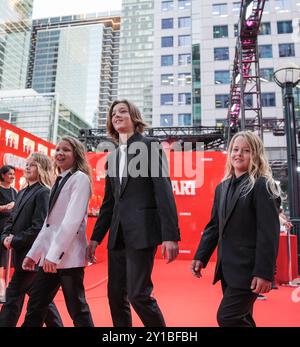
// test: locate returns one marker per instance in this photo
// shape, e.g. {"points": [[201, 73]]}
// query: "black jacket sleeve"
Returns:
{"points": [[7, 229], [209, 239], [268, 231], [105, 214], [8, 224], [25, 238], [163, 193]]}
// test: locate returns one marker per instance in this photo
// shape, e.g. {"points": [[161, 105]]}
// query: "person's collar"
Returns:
{"points": [[4, 187], [135, 137], [64, 174], [240, 178], [29, 186]]}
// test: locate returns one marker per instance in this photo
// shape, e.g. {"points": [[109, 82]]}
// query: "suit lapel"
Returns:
{"points": [[63, 182], [127, 176], [19, 199], [23, 201], [225, 187], [135, 137], [232, 204], [117, 176]]}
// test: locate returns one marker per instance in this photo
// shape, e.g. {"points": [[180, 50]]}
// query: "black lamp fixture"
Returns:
{"points": [[287, 78]]}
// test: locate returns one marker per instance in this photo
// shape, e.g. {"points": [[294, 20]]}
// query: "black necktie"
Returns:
{"points": [[54, 189]]}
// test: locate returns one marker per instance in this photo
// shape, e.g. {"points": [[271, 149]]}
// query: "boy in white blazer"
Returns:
{"points": [[61, 245]]}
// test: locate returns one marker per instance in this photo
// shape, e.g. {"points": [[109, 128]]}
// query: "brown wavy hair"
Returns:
{"points": [[135, 115]]}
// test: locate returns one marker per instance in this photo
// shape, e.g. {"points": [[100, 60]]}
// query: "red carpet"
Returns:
{"points": [[185, 301]]}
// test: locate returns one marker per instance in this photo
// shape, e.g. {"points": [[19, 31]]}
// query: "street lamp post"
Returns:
{"points": [[287, 78]]}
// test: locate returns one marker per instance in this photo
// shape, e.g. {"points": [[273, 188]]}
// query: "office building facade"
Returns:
{"points": [[215, 29], [41, 114], [15, 31], [77, 57], [136, 55]]}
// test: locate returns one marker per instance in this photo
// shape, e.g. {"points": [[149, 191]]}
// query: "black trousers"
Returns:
{"points": [[45, 288], [22, 283], [236, 308], [129, 281]]}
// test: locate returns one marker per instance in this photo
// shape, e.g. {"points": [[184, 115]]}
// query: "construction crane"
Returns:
{"points": [[245, 89]]}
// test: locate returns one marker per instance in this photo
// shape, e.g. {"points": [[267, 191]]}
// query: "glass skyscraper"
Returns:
{"points": [[136, 54], [76, 57], [41, 114], [15, 30]]}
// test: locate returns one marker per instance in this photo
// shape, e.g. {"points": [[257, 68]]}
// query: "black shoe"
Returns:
{"points": [[274, 286]]}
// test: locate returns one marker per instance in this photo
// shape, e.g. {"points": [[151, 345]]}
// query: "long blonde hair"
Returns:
{"points": [[258, 166], [80, 161], [45, 168]]}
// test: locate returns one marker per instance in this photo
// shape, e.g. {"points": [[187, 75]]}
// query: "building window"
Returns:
{"points": [[220, 31], [166, 99], [219, 9], [184, 4], [222, 77], [184, 40], [167, 5], [266, 74], [282, 5], [268, 99], [184, 79], [167, 41], [184, 99], [267, 7], [166, 120], [184, 119], [286, 50], [221, 53], [265, 51], [166, 60], [265, 28], [248, 100], [285, 27], [184, 59], [184, 22], [167, 79], [235, 29], [221, 100], [167, 23], [236, 7]]}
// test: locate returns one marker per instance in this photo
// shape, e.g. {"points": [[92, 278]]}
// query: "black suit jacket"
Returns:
{"points": [[247, 238], [26, 221], [143, 205]]}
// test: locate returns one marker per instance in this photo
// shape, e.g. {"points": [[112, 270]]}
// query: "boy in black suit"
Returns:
{"points": [[140, 211], [19, 234], [245, 227]]}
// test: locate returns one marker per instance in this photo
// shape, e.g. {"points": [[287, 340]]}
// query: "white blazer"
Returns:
{"points": [[62, 239]]}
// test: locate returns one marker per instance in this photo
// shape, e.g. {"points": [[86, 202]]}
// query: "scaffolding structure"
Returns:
{"points": [[245, 91], [211, 137]]}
